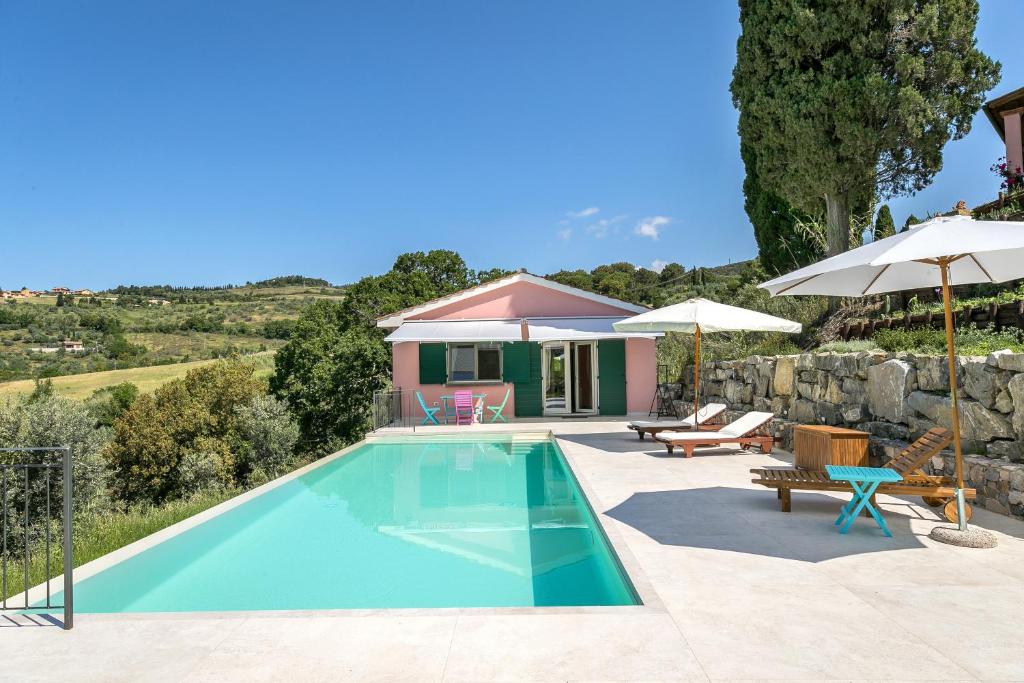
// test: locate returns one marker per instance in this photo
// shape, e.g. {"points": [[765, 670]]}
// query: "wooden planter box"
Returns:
{"points": [[817, 445]]}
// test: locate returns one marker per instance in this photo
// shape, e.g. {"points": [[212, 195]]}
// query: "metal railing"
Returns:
{"points": [[27, 474], [393, 408]]}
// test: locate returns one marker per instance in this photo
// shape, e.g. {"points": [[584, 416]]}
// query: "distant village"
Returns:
{"points": [[26, 293], [66, 345]]}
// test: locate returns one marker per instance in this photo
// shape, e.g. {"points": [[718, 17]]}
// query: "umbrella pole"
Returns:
{"points": [[951, 359], [696, 376]]}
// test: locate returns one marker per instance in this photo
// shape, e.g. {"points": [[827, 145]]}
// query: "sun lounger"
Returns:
{"points": [[933, 489], [748, 430], [705, 416]]}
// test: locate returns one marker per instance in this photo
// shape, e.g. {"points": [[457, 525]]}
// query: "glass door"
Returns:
{"points": [[557, 391], [583, 372]]}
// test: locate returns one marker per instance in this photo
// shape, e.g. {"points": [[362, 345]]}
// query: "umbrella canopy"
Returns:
{"points": [[709, 316], [976, 251], [701, 315], [940, 252]]}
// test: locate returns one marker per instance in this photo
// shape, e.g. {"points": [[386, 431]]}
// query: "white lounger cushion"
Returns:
{"points": [[703, 415], [734, 430]]}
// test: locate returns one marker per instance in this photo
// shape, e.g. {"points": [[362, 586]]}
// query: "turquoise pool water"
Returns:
{"points": [[414, 524]]}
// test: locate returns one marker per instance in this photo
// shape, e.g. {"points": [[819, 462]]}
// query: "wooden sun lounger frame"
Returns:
{"points": [[934, 490], [712, 424], [758, 436], [653, 430]]}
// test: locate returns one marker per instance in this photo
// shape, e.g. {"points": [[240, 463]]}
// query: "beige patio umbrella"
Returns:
{"points": [[940, 252], [696, 316]]}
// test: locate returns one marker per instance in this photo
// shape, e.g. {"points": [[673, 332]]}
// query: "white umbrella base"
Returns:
{"points": [[971, 537]]}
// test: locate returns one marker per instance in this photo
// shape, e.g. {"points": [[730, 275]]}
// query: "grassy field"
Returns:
{"points": [[163, 347], [80, 387]]}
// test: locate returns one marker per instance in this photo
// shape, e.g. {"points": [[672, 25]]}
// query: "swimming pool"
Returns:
{"points": [[498, 522]]}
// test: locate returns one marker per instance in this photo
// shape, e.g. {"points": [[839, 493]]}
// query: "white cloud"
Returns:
{"points": [[585, 213], [651, 227], [565, 234], [598, 229], [657, 265], [601, 228]]}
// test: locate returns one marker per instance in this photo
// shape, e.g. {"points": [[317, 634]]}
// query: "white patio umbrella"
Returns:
{"points": [[695, 316], [940, 252]]}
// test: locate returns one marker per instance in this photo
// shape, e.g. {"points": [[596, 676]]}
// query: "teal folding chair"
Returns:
{"points": [[497, 410], [429, 412]]}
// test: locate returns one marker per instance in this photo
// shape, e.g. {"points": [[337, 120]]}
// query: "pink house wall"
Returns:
{"points": [[641, 371], [405, 367], [521, 300]]}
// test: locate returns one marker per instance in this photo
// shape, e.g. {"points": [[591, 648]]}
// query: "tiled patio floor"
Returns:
{"points": [[735, 589]]}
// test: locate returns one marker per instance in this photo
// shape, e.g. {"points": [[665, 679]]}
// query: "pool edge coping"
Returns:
{"points": [[642, 585]]}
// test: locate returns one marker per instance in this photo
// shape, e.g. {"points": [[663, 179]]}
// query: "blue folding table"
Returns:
{"points": [[864, 481]]}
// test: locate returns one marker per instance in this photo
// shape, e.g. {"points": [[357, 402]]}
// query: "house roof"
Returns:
{"points": [[397, 318], [994, 108]]}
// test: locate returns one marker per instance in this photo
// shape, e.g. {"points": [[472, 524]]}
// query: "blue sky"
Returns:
{"points": [[203, 143]]}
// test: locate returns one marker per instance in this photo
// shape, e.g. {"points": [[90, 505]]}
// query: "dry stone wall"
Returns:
{"points": [[895, 398]]}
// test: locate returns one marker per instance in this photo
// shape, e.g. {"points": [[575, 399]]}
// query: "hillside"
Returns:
{"points": [[143, 326], [82, 386], [149, 334]]}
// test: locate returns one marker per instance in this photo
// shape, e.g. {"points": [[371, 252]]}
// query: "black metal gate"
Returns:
{"points": [[35, 479]]}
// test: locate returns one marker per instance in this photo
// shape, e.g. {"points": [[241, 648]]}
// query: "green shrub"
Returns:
{"points": [[267, 435], [851, 346], [970, 341], [922, 340], [109, 403], [50, 420], [179, 439]]}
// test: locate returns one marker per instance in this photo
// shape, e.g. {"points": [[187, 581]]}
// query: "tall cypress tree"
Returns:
{"points": [[855, 98], [884, 227], [781, 247]]}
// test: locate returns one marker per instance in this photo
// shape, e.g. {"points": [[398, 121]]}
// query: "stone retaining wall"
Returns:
{"points": [[895, 398]]}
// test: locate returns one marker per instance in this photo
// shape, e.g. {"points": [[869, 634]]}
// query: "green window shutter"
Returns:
{"points": [[521, 367], [433, 363], [611, 371], [516, 362]]}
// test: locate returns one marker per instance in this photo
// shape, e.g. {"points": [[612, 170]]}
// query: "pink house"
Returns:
{"points": [[1005, 114], [550, 345]]}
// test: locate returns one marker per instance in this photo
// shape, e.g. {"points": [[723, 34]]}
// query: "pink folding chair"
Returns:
{"points": [[463, 407]]}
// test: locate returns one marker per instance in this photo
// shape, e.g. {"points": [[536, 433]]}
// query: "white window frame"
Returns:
{"points": [[477, 346]]}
